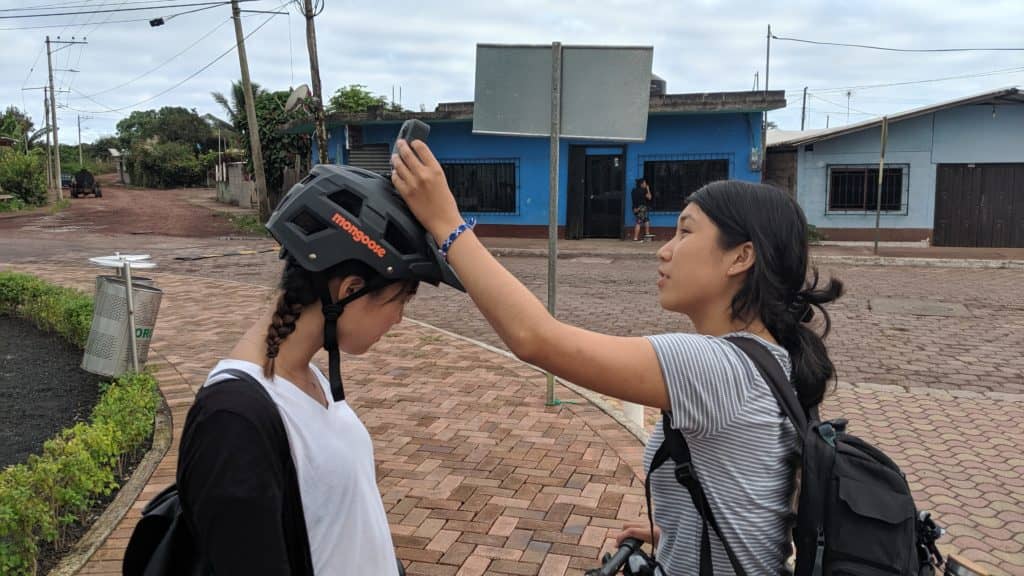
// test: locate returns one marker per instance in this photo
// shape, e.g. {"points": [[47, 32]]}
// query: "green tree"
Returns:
{"points": [[354, 98], [15, 124], [100, 148], [279, 149], [168, 124], [22, 175], [139, 125], [165, 164], [235, 105]]}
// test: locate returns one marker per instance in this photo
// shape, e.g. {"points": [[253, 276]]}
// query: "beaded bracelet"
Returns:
{"points": [[467, 225]]}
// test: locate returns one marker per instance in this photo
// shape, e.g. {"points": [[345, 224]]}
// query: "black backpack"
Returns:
{"points": [[856, 515], [161, 543]]}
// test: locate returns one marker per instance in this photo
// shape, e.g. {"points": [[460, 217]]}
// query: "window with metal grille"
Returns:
{"points": [[672, 181], [855, 188], [483, 185]]}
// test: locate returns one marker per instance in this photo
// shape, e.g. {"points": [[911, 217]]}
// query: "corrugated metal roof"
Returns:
{"points": [[780, 138]]}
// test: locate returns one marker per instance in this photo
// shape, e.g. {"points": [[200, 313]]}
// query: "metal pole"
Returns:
{"points": [[80, 162], [131, 315], [556, 127], [53, 112], [256, 148], [803, 110], [881, 175], [764, 115]]}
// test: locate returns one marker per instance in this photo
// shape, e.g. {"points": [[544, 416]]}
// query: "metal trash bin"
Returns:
{"points": [[108, 348]]}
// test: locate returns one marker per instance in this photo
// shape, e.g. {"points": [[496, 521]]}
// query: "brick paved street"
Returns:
{"points": [[980, 352], [479, 477], [942, 395]]}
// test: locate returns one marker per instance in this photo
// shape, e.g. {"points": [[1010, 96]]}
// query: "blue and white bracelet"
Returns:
{"points": [[467, 225]]}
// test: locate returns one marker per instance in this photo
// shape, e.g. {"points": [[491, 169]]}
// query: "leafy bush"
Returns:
{"points": [[814, 235], [63, 310], [52, 490], [23, 176], [165, 165], [12, 205]]}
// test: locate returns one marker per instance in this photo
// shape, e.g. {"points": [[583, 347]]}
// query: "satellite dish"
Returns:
{"points": [[296, 97]]}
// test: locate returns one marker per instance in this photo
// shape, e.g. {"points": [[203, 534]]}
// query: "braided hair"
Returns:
{"points": [[298, 291]]}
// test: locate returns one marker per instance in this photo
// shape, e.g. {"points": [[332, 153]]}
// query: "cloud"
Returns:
{"points": [[428, 49]]}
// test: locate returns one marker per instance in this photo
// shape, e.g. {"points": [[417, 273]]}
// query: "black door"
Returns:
{"points": [[577, 186], [604, 194], [979, 205]]}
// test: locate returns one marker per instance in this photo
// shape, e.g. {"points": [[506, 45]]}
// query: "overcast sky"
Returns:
{"points": [[428, 49]]}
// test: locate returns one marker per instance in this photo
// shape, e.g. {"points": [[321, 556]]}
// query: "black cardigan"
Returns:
{"points": [[238, 486]]}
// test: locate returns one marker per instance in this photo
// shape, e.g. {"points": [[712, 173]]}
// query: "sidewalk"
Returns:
{"points": [[478, 476]]}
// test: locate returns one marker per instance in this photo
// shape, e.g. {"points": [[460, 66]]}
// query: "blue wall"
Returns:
{"points": [[958, 135], [669, 137]]}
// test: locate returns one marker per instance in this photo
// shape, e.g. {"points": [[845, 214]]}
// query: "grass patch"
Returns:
{"points": [[248, 224]]}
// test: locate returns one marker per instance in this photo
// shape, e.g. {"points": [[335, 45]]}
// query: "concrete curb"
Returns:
{"points": [[823, 259], [918, 262], [592, 397], [88, 544]]}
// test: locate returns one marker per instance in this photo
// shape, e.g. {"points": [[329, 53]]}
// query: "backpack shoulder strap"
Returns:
{"points": [[784, 392], [298, 525], [674, 447]]}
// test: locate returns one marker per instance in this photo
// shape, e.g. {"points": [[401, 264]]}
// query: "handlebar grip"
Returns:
{"points": [[615, 563]]}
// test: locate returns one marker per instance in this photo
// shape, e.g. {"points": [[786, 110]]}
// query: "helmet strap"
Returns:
{"points": [[332, 311]]}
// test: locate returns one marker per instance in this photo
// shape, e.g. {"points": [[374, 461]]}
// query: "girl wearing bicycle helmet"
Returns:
{"points": [[276, 471], [737, 266]]}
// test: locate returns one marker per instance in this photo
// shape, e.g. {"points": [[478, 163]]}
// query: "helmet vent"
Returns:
{"points": [[403, 244], [350, 202], [309, 223]]}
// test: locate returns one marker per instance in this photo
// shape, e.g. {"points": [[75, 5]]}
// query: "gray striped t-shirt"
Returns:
{"points": [[741, 446]]}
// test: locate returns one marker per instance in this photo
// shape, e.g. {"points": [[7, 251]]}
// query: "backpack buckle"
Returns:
{"points": [[827, 433], [684, 473]]}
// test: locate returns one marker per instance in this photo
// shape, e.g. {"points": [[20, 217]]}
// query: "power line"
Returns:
{"points": [[186, 79], [44, 26], [80, 4], [161, 65], [318, 7], [1014, 70], [165, 7], [840, 105], [888, 49]]}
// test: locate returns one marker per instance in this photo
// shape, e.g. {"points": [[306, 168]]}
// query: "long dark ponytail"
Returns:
{"points": [[778, 288]]}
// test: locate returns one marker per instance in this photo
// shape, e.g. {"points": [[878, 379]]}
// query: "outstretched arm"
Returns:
{"points": [[625, 368]]}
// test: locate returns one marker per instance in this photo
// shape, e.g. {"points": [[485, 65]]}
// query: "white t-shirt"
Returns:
{"points": [[333, 455]]}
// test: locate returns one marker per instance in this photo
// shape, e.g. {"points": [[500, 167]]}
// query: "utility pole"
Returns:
{"points": [[256, 148], [53, 111], [53, 107], [310, 13], [81, 163], [848, 94], [52, 194], [803, 110]]}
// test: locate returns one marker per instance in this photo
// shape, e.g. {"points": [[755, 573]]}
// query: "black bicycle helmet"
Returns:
{"points": [[342, 213]]}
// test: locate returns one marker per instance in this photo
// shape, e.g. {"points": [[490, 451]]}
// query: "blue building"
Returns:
{"points": [[953, 176], [502, 181]]}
